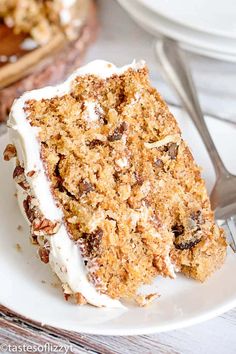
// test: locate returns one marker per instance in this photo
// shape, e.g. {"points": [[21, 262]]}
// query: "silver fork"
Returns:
{"points": [[223, 196]]}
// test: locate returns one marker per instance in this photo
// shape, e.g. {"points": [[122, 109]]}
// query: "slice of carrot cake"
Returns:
{"points": [[110, 189]]}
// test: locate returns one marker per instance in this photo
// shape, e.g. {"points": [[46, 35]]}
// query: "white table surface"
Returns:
{"points": [[120, 41]]}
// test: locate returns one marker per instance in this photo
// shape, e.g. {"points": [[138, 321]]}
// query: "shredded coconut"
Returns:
{"points": [[122, 162], [168, 139], [92, 112]]}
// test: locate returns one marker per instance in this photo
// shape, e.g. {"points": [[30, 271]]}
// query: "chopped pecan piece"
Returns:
{"points": [[44, 254], [9, 152], [25, 185], [85, 187], [80, 299], [44, 227], [19, 177], [67, 296], [28, 210], [18, 174], [173, 150], [31, 173], [118, 132]]}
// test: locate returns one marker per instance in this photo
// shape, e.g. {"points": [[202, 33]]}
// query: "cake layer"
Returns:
{"points": [[106, 171]]}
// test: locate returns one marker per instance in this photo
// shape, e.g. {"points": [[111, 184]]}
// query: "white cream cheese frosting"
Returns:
{"points": [[65, 257]]}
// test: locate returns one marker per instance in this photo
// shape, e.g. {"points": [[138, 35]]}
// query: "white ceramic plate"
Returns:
{"points": [[194, 41], [209, 16], [29, 288]]}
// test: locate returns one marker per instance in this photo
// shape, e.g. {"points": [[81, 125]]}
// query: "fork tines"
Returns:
{"points": [[229, 225]]}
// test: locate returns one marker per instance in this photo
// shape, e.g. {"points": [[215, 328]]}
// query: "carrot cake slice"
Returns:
{"points": [[109, 187]]}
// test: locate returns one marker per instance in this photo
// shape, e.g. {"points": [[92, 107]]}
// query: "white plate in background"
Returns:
{"points": [[216, 17], [194, 41], [29, 288]]}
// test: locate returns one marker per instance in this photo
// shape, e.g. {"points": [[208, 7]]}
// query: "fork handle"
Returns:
{"points": [[174, 64]]}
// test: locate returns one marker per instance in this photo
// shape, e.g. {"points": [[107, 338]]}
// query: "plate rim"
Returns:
{"points": [[133, 332]]}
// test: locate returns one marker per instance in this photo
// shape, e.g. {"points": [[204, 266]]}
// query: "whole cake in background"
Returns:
{"points": [[109, 187], [41, 42]]}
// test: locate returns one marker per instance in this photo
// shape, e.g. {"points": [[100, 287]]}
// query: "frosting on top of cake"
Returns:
{"points": [[100, 68]]}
